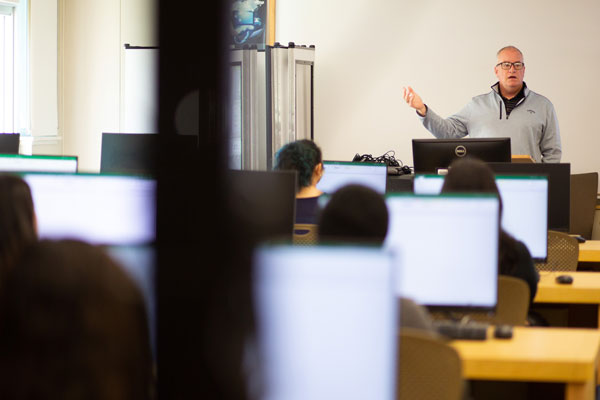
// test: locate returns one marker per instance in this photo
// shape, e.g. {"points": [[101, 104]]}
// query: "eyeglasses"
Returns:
{"points": [[507, 65]]}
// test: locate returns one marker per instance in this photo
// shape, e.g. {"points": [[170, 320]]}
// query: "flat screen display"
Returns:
{"points": [[524, 207], [263, 202], [433, 155], [525, 211], [99, 209], [447, 249], [326, 322], [24, 163], [339, 173], [559, 188], [139, 262], [137, 153], [9, 143]]}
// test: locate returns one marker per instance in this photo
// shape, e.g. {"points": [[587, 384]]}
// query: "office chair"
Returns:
{"points": [[305, 234], [513, 303], [584, 191], [428, 367], [563, 253]]}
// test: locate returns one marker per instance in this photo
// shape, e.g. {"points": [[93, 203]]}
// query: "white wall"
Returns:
{"points": [[367, 50], [91, 38]]}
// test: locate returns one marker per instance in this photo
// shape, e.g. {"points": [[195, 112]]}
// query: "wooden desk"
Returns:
{"points": [[585, 289], [565, 355], [589, 251]]}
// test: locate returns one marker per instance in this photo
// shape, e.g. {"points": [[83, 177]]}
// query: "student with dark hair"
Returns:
{"points": [[73, 326], [17, 221], [354, 213], [357, 214], [305, 157], [473, 175]]}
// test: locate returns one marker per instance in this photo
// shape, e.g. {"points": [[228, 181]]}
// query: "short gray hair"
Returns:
{"points": [[507, 48]]}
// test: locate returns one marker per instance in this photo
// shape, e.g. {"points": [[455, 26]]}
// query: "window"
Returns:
{"points": [[13, 67]]}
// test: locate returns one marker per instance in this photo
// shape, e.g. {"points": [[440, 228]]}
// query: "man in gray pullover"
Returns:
{"points": [[510, 109]]}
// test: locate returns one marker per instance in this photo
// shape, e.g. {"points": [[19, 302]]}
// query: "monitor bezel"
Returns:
{"points": [[383, 166], [557, 173], [459, 308], [40, 157], [423, 149]]}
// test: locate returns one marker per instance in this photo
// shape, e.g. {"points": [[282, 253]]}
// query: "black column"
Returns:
{"points": [[203, 272]]}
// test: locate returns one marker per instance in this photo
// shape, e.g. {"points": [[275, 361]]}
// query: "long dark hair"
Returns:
{"points": [[471, 175], [73, 325], [17, 220], [302, 156]]}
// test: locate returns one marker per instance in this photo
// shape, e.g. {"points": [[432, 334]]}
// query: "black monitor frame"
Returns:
{"points": [[137, 153], [431, 155], [263, 203], [559, 188], [9, 143]]}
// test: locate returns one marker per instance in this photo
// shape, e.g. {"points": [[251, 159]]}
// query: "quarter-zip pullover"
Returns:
{"points": [[532, 126]]}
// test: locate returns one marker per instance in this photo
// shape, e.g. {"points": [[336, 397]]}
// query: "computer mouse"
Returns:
{"points": [[564, 279], [503, 331], [580, 239]]}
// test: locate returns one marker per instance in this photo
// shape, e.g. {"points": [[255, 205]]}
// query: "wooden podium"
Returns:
{"points": [[522, 158]]}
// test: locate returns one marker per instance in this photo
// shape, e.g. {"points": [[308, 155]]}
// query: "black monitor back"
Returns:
{"points": [[263, 203], [559, 188], [136, 153], [429, 155], [9, 143]]}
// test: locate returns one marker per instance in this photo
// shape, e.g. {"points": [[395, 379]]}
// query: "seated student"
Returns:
{"points": [[473, 175], [72, 326], [305, 157], [358, 214], [17, 221]]}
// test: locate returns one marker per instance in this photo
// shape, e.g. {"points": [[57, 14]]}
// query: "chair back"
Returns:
{"points": [[563, 253], [584, 191], [305, 234], [513, 301], [427, 368]]}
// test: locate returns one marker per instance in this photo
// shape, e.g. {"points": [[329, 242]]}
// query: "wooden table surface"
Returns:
{"points": [[537, 354], [589, 251]]}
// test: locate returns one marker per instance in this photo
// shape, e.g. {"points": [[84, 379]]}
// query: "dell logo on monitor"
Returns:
{"points": [[460, 151]]}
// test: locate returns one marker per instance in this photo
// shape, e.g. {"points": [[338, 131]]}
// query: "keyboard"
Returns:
{"points": [[470, 330]]}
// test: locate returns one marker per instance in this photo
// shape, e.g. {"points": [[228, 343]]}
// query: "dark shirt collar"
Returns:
{"points": [[522, 93]]}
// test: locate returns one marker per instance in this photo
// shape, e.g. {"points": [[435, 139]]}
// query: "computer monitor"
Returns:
{"points": [[433, 155], [137, 153], [99, 209], [139, 262], [9, 143], [524, 207], [428, 183], [525, 211], [339, 173], [263, 202], [447, 249], [37, 163], [326, 322], [559, 188]]}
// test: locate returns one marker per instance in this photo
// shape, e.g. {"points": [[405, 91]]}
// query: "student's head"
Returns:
{"points": [[303, 156], [470, 175], [17, 220], [73, 326], [354, 213]]}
